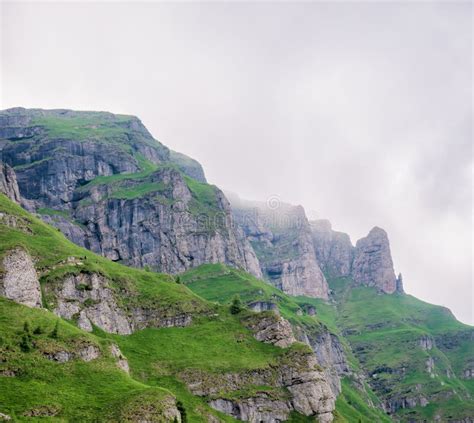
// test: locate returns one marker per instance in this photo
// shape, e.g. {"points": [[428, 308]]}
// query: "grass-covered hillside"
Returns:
{"points": [[220, 283], [414, 353], [50, 370]]}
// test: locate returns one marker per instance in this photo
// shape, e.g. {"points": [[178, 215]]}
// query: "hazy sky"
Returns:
{"points": [[361, 112]]}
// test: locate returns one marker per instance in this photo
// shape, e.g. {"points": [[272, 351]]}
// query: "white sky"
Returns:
{"points": [[361, 112]]}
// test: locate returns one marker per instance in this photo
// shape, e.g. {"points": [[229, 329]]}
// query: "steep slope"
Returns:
{"points": [[112, 188], [416, 356], [355, 399], [281, 237], [369, 263], [143, 331]]}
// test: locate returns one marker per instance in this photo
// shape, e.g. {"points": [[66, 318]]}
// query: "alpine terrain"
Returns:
{"points": [[132, 290]]}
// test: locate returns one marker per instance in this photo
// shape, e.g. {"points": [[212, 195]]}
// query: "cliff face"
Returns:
{"points": [[369, 263], [334, 250], [8, 183], [109, 186], [281, 238], [373, 265]]}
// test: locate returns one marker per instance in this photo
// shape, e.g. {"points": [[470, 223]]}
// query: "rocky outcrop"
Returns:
{"points": [[188, 165], [161, 219], [334, 250], [297, 381], [122, 362], [271, 328], [330, 356], [259, 306], [19, 281], [281, 237], [257, 409], [426, 342], [8, 183], [147, 406], [369, 263], [89, 298], [373, 265], [85, 353], [166, 230]]}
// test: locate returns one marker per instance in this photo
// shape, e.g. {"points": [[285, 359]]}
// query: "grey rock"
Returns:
{"points": [[373, 265], [259, 306], [399, 288], [60, 356], [330, 356], [298, 374], [188, 166], [19, 281], [122, 362], [334, 250], [160, 231], [426, 342], [169, 231], [281, 238], [258, 409], [4, 417], [89, 353], [8, 183], [85, 353], [91, 296], [271, 329]]}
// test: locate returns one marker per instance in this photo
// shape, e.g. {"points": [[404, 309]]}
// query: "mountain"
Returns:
{"points": [[369, 263], [109, 186], [134, 345], [281, 237], [258, 315]]}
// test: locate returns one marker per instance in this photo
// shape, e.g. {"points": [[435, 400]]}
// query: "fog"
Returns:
{"points": [[360, 112]]}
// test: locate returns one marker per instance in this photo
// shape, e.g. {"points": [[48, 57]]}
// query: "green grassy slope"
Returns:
{"points": [[97, 390], [219, 283], [53, 391], [386, 332]]}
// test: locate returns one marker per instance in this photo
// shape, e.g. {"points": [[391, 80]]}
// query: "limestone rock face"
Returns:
{"points": [[373, 265], [159, 219], [122, 362], [334, 250], [330, 356], [8, 183], [271, 329], [281, 237], [159, 231], [20, 282], [90, 299], [298, 374], [261, 408]]}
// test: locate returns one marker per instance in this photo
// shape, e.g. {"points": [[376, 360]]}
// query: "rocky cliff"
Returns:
{"points": [[281, 238], [369, 263], [94, 293], [111, 187], [8, 183], [373, 265], [295, 383], [334, 250]]}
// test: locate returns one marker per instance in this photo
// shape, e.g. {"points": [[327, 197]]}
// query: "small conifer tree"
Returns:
{"points": [[236, 306]]}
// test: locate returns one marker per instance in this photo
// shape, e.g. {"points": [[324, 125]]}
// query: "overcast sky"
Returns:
{"points": [[361, 112]]}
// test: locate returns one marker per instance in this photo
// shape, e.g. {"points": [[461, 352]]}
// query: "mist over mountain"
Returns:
{"points": [[172, 303]]}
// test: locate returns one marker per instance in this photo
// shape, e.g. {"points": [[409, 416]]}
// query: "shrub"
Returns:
{"points": [[236, 306], [55, 332], [38, 330]]}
